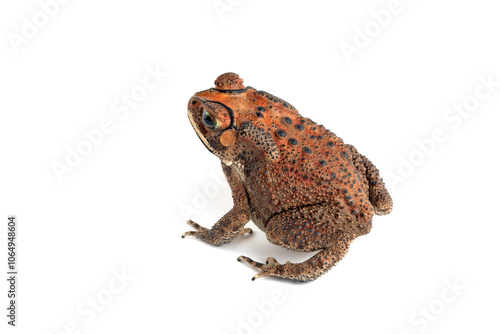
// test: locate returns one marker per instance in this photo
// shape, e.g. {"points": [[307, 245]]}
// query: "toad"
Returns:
{"points": [[297, 181]]}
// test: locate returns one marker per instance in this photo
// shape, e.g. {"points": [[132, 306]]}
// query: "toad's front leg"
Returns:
{"points": [[232, 224]]}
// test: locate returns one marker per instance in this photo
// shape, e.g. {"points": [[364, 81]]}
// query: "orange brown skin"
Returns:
{"points": [[297, 181]]}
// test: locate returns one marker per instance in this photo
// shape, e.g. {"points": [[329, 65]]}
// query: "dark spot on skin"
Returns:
{"points": [[281, 133], [261, 109], [307, 150], [259, 114], [334, 175], [345, 155], [331, 144], [294, 141], [299, 127], [287, 120], [320, 137], [323, 162]]}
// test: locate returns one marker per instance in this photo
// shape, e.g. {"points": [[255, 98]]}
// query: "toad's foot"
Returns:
{"points": [[271, 268], [215, 236], [200, 229]]}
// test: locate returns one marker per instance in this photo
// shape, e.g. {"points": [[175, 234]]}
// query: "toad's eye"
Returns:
{"points": [[209, 120]]}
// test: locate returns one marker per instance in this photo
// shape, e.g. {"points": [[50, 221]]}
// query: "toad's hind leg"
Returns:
{"points": [[305, 271], [294, 231]]}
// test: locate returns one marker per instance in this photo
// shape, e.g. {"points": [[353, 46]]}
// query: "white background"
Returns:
{"points": [[123, 208]]}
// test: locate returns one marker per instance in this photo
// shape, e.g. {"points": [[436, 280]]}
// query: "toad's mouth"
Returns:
{"points": [[198, 132]]}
